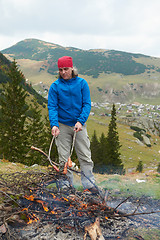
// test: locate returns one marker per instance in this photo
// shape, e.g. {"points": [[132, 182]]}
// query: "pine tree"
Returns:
{"points": [[103, 149], [95, 148], [113, 159], [13, 116], [35, 132]]}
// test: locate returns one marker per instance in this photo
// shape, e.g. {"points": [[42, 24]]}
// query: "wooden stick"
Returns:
{"points": [[52, 163]]}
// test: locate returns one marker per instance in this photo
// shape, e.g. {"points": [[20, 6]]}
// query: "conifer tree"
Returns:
{"points": [[35, 134], [95, 148], [102, 149], [113, 159], [13, 116]]}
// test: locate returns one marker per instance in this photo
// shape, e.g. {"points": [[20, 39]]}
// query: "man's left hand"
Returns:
{"points": [[78, 127]]}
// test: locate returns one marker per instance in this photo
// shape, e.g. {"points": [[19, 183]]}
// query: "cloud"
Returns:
{"points": [[127, 25]]}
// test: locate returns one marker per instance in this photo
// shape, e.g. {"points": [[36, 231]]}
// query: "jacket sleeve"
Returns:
{"points": [[53, 105], [86, 103]]}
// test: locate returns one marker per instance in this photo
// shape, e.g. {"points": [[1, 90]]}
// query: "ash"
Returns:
{"points": [[56, 214]]}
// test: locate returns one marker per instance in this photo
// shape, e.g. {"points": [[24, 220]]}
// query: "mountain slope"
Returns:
{"points": [[113, 76], [88, 62]]}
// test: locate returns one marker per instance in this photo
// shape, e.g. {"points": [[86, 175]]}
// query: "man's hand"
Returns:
{"points": [[78, 127], [55, 131]]}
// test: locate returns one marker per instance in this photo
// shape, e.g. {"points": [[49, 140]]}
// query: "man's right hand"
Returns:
{"points": [[55, 131]]}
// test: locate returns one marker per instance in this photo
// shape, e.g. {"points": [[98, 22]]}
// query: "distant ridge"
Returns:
{"points": [[90, 62], [113, 76]]}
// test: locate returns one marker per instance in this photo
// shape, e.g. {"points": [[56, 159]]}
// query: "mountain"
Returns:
{"points": [[113, 76], [88, 62]]}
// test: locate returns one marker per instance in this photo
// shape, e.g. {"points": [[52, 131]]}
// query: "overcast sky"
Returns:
{"points": [[125, 25]]}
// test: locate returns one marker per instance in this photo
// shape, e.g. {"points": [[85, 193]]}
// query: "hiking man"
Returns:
{"points": [[69, 106]]}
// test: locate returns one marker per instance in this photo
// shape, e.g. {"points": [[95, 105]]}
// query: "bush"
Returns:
{"points": [[148, 145], [158, 168], [137, 129], [138, 135], [148, 135], [139, 166]]}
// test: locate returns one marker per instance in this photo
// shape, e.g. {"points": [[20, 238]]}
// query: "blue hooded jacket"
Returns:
{"points": [[69, 101]]}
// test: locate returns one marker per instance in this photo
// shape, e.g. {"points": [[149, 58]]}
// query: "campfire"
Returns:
{"points": [[34, 207]]}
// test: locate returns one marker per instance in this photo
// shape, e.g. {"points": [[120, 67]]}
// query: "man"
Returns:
{"points": [[69, 106]]}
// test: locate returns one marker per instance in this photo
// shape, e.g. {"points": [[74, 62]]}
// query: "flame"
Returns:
{"points": [[53, 195], [25, 209], [65, 199], [33, 220], [85, 190], [43, 205], [53, 212], [106, 218], [31, 197], [84, 206]]}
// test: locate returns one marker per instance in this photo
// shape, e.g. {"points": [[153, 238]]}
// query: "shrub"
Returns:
{"points": [[139, 166], [137, 129], [148, 145], [138, 135], [148, 135], [158, 168]]}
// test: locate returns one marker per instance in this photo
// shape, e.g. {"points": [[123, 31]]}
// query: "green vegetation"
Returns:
{"points": [[4, 78], [139, 167], [137, 129], [88, 62], [21, 123], [131, 152], [13, 116], [138, 135], [105, 152], [113, 76]]}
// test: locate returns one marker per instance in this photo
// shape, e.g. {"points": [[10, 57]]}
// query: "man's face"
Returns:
{"points": [[66, 73]]}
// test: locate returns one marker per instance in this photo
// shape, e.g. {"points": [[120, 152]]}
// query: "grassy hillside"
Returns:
{"points": [[90, 63], [113, 87], [113, 76], [131, 151]]}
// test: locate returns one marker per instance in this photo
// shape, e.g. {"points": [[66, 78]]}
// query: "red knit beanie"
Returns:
{"points": [[65, 62]]}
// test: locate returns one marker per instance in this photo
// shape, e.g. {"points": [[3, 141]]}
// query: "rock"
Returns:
{"points": [[34, 165], [140, 181], [139, 142], [146, 140]]}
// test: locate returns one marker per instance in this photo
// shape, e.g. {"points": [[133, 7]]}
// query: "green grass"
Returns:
{"points": [[128, 186], [143, 233], [130, 151], [118, 82]]}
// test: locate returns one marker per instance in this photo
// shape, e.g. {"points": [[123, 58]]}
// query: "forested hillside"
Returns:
{"points": [[90, 63], [4, 65], [4, 69], [113, 76]]}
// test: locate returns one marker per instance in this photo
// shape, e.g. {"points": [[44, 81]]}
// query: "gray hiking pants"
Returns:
{"points": [[82, 148]]}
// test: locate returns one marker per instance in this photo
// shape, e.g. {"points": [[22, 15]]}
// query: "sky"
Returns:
{"points": [[124, 25]]}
